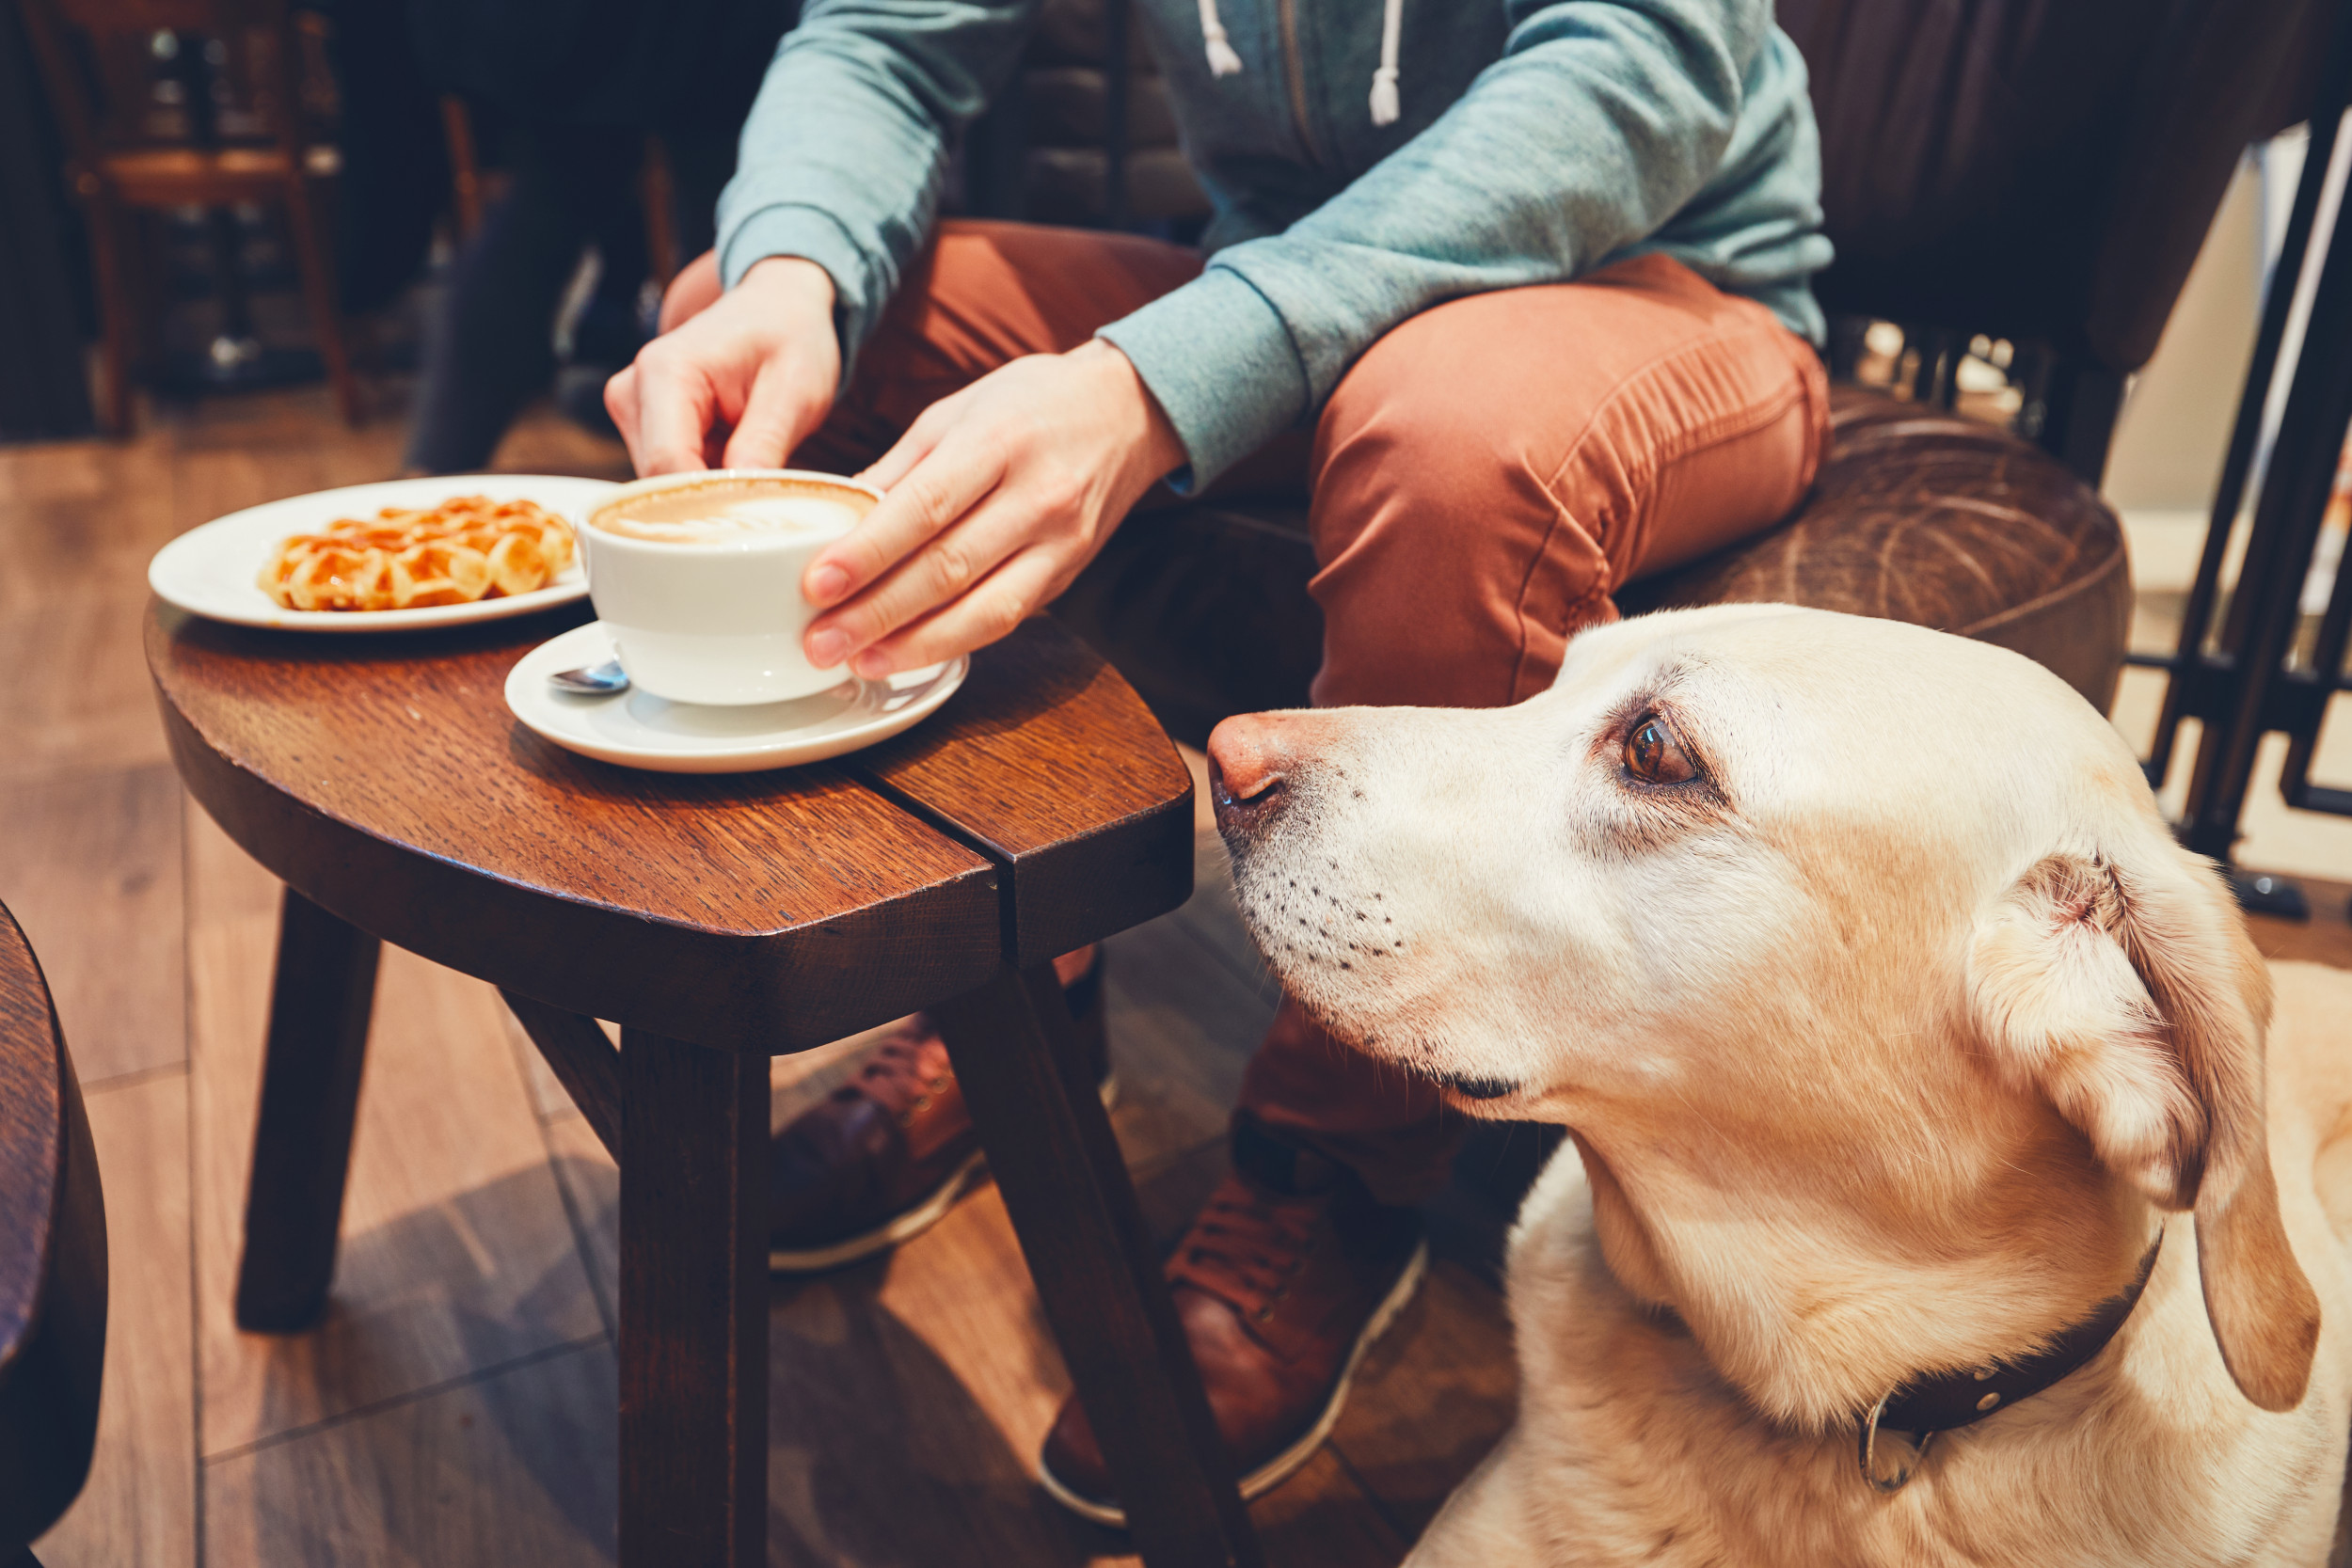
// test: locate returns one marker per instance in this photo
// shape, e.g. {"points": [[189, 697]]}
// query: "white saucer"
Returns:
{"points": [[638, 729], [211, 570]]}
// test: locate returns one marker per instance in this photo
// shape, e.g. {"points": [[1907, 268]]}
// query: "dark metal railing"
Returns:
{"points": [[2243, 681]]}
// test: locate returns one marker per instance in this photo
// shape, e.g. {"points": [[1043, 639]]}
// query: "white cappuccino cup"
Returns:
{"points": [[697, 577]]}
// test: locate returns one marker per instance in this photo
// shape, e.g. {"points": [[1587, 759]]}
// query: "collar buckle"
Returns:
{"points": [[1867, 1452]]}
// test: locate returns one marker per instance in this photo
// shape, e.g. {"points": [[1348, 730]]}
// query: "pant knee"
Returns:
{"points": [[1437, 530], [1402, 424]]}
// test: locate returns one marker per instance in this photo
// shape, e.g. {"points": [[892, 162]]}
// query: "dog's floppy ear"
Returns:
{"points": [[2133, 999]]}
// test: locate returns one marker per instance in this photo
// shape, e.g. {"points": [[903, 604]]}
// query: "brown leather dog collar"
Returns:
{"points": [[1946, 1402]]}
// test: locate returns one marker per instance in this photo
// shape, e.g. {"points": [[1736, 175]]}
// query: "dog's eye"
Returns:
{"points": [[1653, 755]]}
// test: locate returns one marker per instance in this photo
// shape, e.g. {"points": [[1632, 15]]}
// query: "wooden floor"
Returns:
{"points": [[457, 1406]]}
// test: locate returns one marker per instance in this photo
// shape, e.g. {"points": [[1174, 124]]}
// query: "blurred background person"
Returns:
{"points": [[570, 92]]}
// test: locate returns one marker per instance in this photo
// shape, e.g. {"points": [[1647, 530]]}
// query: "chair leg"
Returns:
{"points": [[116, 311], [318, 291], [139, 267], [318, 1034], [464, 170], [659, 200], [1050, 1149], [693, 1306]]}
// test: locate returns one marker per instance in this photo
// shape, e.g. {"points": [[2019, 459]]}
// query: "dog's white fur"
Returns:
{"points": [[1886, 1047]]}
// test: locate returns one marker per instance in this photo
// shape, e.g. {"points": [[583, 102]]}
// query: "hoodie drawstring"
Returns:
{"points": [[1384, 104], [1222, 60], [1225, 61]]}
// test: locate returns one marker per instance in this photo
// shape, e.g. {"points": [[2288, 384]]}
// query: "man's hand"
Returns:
{"points": [[761, 359], [997, 498]]}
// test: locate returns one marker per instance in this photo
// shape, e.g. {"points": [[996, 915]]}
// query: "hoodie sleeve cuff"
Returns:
{"points": [[1221, 362], [813, 235]]}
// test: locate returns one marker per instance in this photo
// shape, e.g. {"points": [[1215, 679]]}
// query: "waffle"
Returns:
{"points": [[468, 548]]}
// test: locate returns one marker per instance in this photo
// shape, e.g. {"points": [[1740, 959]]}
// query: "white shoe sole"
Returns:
{"points": [[1275, 1471], [906, 1225]]}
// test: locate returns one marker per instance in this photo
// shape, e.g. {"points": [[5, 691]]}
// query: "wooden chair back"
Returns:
{"points": [[53, 1259], [2040, 173], [228, 74], [169, 104], [2037, 171]]}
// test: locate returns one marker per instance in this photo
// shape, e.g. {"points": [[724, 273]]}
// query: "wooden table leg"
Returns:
{"points": [[1050, 1149], [693, 1306], [319, 998], [582, 1060]]}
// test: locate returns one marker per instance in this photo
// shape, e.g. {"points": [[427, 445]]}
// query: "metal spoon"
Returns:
{"points": [[592, 680]]}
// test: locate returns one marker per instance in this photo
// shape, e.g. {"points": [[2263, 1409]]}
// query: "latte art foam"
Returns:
{"points": [[736, 511]]}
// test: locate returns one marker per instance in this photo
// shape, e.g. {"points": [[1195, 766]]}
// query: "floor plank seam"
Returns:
{"points": [[132, 1080], [522, 1053], [394, 1401], [605, 1313], [1379, 1504], [89, 774], [1260, 985]]}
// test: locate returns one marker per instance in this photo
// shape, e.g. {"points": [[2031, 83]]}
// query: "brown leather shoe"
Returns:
{"points": [[887, 1154], [1282, 1285]]}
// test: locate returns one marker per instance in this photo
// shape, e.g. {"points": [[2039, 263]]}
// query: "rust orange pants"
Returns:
{"points": [[1478, 485]]}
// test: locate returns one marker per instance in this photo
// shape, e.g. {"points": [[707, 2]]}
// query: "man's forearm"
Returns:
{"points": [[845, 146]]}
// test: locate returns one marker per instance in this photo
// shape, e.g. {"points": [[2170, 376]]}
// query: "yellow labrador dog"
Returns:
{"points": [[1928, 1201]]}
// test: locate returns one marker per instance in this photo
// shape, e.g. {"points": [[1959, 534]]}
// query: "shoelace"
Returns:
{"points": [[895, 1077], [1245, 1247], [1224, 60]]}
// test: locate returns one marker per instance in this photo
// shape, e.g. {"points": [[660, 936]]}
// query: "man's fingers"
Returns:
{"points": [[935, 573], [991, 610], [952, 479], [911, 448], [675, 409], [783, 409], [620, 401], [844, 568]]}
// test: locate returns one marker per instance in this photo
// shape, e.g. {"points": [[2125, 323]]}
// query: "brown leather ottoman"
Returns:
{"points": [[1918, 516]]}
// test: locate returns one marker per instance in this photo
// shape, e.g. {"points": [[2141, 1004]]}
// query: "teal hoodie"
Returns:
{"points": [[1357, 178]]}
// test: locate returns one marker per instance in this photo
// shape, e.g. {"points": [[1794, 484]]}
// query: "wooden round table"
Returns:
{"points": [[720, 920]]}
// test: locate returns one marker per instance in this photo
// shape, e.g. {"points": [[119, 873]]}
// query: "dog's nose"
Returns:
{"points": [[1246, 753], [1246, 760]]}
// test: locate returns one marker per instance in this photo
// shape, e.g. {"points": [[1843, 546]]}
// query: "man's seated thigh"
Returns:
{"points": [[1494, 468]]}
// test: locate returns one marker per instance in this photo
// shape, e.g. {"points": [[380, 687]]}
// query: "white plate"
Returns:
{"points": [[638, 729], [211, 571]]}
